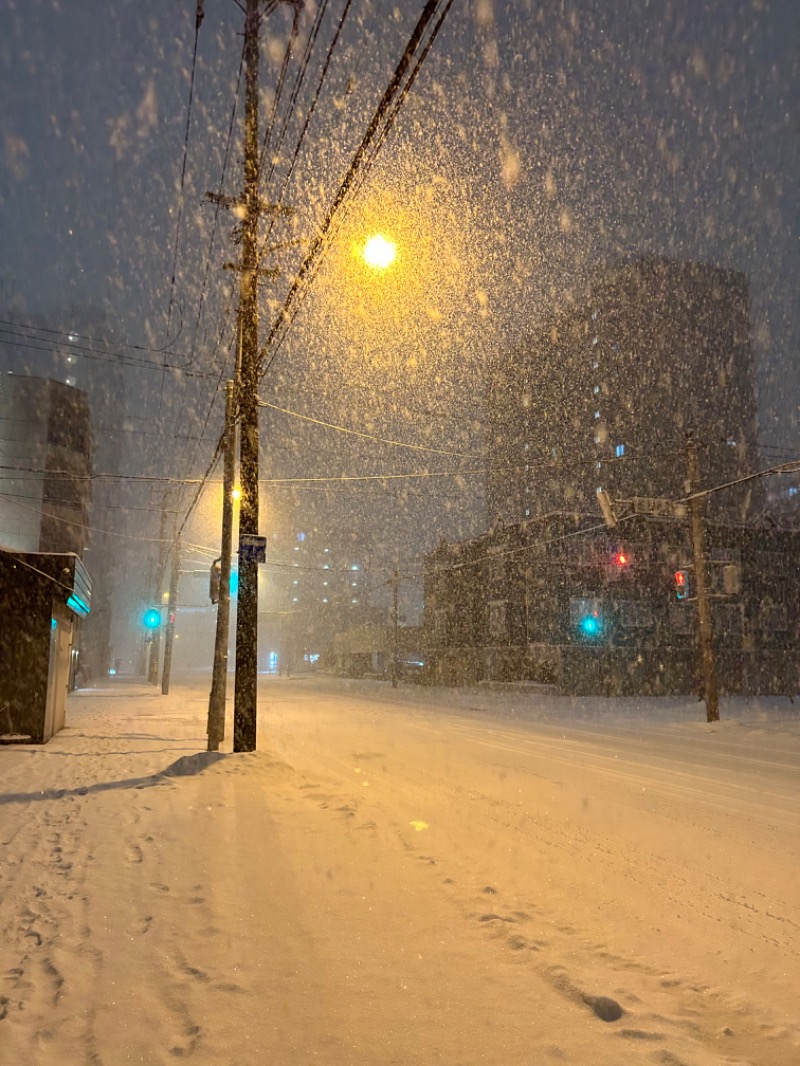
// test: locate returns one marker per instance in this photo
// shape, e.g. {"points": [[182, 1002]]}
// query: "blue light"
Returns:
{"points": [[152, 618], [234, 583], [76, 604], [591, 626], [619, 450]]}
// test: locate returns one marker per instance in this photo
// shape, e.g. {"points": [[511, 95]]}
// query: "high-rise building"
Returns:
{"points": [[46, 455], [602, 394]]}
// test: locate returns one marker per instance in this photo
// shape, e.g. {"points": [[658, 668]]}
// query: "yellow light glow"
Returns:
{"points": [[236, 494], [379, 253]]}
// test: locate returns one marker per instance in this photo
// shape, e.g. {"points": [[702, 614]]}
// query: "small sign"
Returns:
{"points": [[252, 548]]}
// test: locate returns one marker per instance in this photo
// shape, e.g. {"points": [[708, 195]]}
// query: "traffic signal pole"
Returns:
{"points": [[704, 623], [219, 680], [245, 708], [171, 608]]}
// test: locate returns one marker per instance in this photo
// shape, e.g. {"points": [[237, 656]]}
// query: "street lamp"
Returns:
{"points": [[378, 252]]}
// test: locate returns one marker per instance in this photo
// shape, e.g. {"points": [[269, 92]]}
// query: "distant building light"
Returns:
{"points": [[527, 512], [294, 599], [619, 451], [594, 340], [595, 365], [792, 490], [594, 316], [598, 466], [301, 536], [596, 439], [70, 358], [596, 389], [325, 583], [72, 337], [324, 599], [355, 566], [731, 443], [326, 549], [295, 582], [354, 584], [71, 381], [354, 600], [326, 566], [597, 414]]}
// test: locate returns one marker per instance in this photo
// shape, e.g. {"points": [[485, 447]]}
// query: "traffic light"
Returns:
{"points": [[214, 580], [591, 625], [621, 559], [681, 585], [152, 618]]}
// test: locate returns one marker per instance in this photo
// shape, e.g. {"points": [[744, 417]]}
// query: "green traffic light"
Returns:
{"points": [[152, 618]]}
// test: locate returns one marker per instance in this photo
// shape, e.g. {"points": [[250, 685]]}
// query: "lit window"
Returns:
{"points": [[594, 316], [598, 466], [596, 439], [326, 566], [597, 414], [619, 451], [70, 381], [70, 358], [527, 512], [594, 340], [355, 566], [354, 584], [301, 536], [295, 582], [326, 549], [731, 443], [595, 365], [354, 600], [325, 583], [792, 490], [324, 599], [294, 599], [73, 337]]}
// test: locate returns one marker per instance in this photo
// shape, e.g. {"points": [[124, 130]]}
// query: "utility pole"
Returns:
{"points": [[219, 682], [245, 708], [171, 608], [704, 623], [155, 641], [395, 626]]}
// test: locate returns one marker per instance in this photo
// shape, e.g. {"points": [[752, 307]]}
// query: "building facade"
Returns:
{"points": [[612, 612], [46, 440], [602, 394]]}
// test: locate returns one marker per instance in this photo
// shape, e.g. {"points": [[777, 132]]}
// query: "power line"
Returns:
{"points": [[363, 435], [360, 160], [100, 356], [198, 20]]}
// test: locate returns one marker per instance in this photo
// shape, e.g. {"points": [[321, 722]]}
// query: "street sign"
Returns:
{"points": [[252, 548]]}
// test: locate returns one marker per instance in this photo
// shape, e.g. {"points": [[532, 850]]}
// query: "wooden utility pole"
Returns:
{"points": [[704, 622], [171, 608], [395, 626], [155, 640], [219, 681], [245, 707]]}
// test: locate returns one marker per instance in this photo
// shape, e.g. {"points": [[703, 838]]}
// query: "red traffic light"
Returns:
{"points": [[681, 584], [621, 559]]}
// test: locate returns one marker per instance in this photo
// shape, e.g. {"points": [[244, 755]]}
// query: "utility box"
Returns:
{"points": [[41, 597]]}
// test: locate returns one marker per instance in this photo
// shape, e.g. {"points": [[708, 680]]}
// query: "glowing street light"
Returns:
{"points": [[379, 253]]}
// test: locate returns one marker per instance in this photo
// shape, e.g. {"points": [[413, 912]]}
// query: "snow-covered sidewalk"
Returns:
{"points": [[159, 902]]}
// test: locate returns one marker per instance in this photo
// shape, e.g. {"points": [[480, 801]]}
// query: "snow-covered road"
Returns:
{"points": [[397, 878]]}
